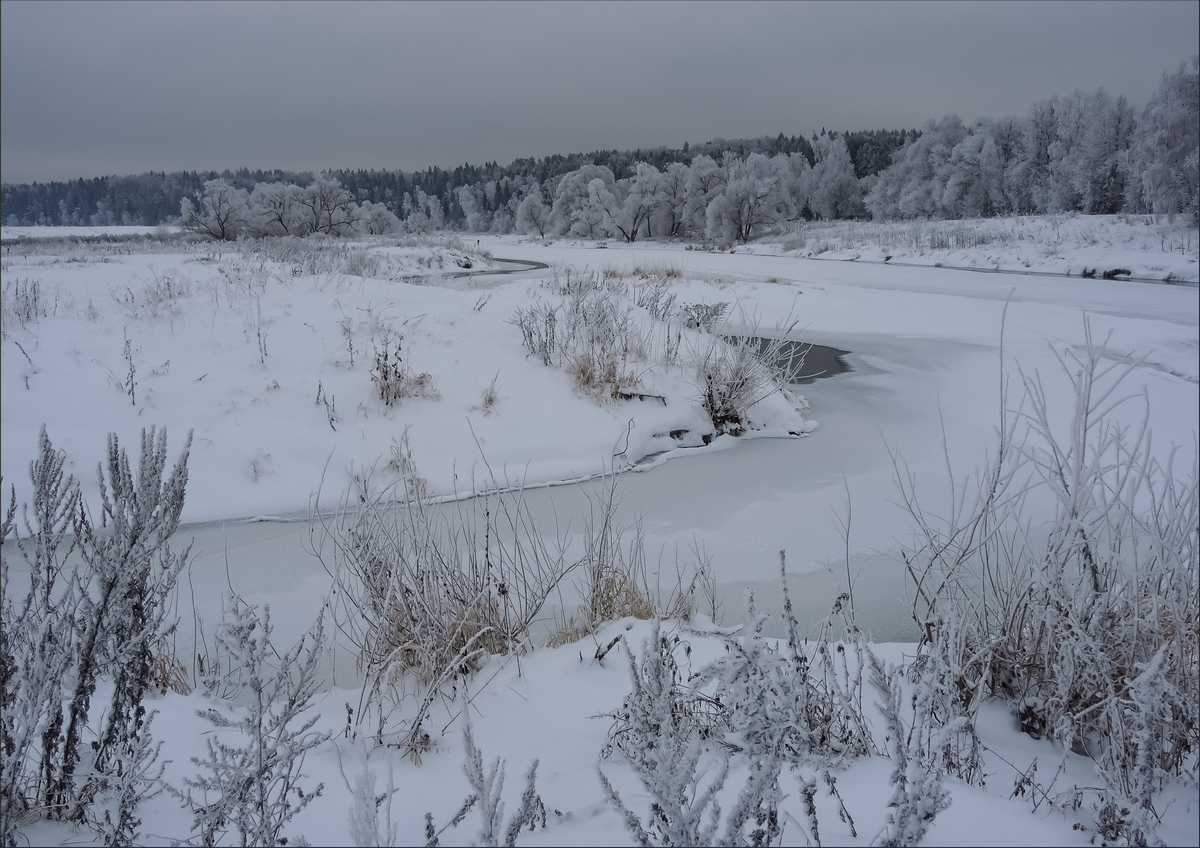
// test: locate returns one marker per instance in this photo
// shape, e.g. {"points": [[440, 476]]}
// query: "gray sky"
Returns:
{"points": [[96, 88]]}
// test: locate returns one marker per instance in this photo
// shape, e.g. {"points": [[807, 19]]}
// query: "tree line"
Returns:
{"points": [[154, 198], [1089, 153]]}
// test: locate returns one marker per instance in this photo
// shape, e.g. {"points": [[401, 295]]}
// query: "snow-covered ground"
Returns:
{"points": [[1144, 246], [86, 232], [270, 366]]}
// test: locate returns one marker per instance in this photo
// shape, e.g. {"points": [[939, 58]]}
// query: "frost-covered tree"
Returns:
{"points": [[221, 211], [502, 221], [1008, 135], [1086, 171], [477, 218], [275, 210], [706, 180], [326, 208], [576, 210], [532, 214], [668, 217], [1164, 156], [605, 202], [1032, 172], [645, 193], [753, 200], [975, 177], [797, 183], [915, 184], [375, 219], [833, 190], [422, 212]]}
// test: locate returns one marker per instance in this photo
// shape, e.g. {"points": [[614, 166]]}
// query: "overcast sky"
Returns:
{"points": [[96, 88]]}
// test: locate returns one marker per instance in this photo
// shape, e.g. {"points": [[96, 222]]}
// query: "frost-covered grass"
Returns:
{"points": [[444, 611]]}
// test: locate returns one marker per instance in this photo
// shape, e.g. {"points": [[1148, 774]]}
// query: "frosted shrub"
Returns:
{"points": [[538, 324], [732, 379], [658, 735], [366, 829], [136, 780], [250, 779], [736, 372], [1064, 625], [487, 790], [163, 290], [661, 729], [917, 793], [702, 316], [600, 340], [37, 643], [591, 333], [133, 574], [359, 262], [312, 255], [394, 380], [778, 703], [105, 616]]}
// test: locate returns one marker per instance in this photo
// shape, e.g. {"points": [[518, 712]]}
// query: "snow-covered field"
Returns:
{"points": [[1143, 246], [81, 232], [267, 358]]}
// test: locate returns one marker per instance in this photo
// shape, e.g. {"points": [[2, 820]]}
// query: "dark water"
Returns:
{"points": [[799, 361]]}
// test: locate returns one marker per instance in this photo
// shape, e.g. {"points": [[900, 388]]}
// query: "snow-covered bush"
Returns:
{"points": [[37, 644], [780, 703], [655, 295], [538, 324], [394, 380], [132, 573], [312, 256], [661, 730], [598, 337], [736, 372], [703, 316], [1086, 628], [732, 379], [487, 791], [163, 290], [917, 793], [591, 333], [250, 782], [105, 615]]}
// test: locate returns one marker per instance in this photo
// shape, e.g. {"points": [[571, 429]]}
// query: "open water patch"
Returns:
{"points": [[800, 362]]}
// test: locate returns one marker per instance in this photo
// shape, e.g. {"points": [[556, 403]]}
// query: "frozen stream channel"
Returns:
{"points": [[924, 386]]}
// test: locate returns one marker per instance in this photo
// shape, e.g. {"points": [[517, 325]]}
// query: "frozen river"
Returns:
{"points": [[924, 387], [925, 355]]}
